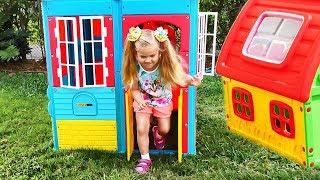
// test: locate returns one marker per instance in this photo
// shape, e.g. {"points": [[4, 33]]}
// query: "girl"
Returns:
{"points": [[150, 67]]}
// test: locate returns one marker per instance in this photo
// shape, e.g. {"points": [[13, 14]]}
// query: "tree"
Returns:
{"points": [[228, 11]]}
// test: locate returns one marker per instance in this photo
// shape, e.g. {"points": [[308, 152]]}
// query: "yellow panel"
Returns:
{"points": [[129, 124], [87, 134], [180, 101], [260, 130]]}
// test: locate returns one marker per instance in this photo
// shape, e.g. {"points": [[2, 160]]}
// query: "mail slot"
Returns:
{"points": [[84, 104]]}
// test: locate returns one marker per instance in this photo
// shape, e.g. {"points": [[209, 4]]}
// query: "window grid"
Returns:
{"points": [[282, 119], [66, 41], [271, 37], [243, 104], [203, 36], [93, 41]]}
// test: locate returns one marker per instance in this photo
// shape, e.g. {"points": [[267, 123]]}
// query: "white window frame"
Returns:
{"points": [[202, 42], [58, 51], [275, 37], [104, 50]]}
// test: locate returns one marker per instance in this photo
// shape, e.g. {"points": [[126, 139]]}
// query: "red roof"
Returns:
{"points": [[293, 78]]}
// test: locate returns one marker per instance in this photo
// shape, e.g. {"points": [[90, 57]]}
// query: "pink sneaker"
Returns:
{"points": [[159, 143], [143, 166]]}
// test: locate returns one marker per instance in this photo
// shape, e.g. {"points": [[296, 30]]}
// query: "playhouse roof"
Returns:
{"points": [[294, 76]]}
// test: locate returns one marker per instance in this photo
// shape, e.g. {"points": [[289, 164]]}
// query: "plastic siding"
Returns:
{"points": [[103, 103], [49, 74], [312, 111], [115, 7], [87, 134], [185, 121], [117, 24], [155, 7], [260, 129], [226, 82], [192, 69], [78, 7]]}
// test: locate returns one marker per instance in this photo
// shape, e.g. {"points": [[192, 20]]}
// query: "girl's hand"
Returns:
{"points": [[141, 104], [196, 80], [137, 96]]}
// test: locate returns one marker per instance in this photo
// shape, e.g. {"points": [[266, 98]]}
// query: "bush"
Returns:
{"points": [[14, 32], [8, 50], [228, 11]]}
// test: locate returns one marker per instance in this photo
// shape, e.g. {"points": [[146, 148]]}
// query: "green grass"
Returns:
{"points": [[26, 143]]}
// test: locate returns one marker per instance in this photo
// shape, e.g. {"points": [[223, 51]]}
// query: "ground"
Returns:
{"points": [[23, 66]]}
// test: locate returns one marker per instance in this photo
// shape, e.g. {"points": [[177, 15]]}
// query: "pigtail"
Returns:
{"points": [[129, 69], [170, 65]]}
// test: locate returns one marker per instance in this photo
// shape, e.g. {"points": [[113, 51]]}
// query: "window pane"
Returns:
{"points": [[88, 52], [69, 30], [99, 74], [89, 75], [86, 29], [289, 28], [71, 54], [208, 64], [258, 47], [277, 51], [269, 25], [63, 53], [65, 77], [62, 30], [97, 29], [98, 52], [73, 76]]}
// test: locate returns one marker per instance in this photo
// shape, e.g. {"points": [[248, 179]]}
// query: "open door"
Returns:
{"points": [[207, 33], [180, 102], [129, 124]]}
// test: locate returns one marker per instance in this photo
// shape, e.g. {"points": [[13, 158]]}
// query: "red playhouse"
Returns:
{"points": [[269, 63]]}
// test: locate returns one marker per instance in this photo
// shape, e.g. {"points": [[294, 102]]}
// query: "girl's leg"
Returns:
{"points": [[143, 125], [164, 126], [160, 131]]}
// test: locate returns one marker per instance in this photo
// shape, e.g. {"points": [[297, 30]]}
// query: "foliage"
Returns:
{"points": [[227, 13], [8, 50], [14, 20], [35, 24], [9, 53]]}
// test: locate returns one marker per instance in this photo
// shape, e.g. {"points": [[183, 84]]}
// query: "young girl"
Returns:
{"points": [[150, 67]]}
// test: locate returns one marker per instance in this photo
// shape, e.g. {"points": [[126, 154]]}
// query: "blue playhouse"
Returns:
{"points": [[84, 40]]}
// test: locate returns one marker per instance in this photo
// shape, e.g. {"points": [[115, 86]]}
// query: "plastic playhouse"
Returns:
{"points": [[84, 41], [269, 63]]}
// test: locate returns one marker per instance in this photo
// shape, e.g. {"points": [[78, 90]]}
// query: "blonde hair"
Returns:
{"points": [[170, 69]]}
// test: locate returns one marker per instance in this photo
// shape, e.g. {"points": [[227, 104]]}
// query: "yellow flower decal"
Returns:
{"points": [[161, 34], [134, 34]]}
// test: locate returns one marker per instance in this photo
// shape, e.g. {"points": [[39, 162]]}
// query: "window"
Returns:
{"points": [[243, 104], [207, 43], [272, 36], [81, 51], [282, 119], [93, 53], [67, 52]]}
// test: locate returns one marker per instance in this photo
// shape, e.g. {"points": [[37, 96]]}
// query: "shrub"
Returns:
{"points": [[14, 34]]}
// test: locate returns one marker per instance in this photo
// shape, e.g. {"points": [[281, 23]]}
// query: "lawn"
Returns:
{"points": [[26, 143]]}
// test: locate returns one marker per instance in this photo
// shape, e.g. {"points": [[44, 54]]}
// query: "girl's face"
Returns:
{"points": [[148, 57]]}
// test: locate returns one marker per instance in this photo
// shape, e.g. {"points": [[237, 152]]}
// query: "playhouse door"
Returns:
{"points": [[178, 27], [129, 124]]}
